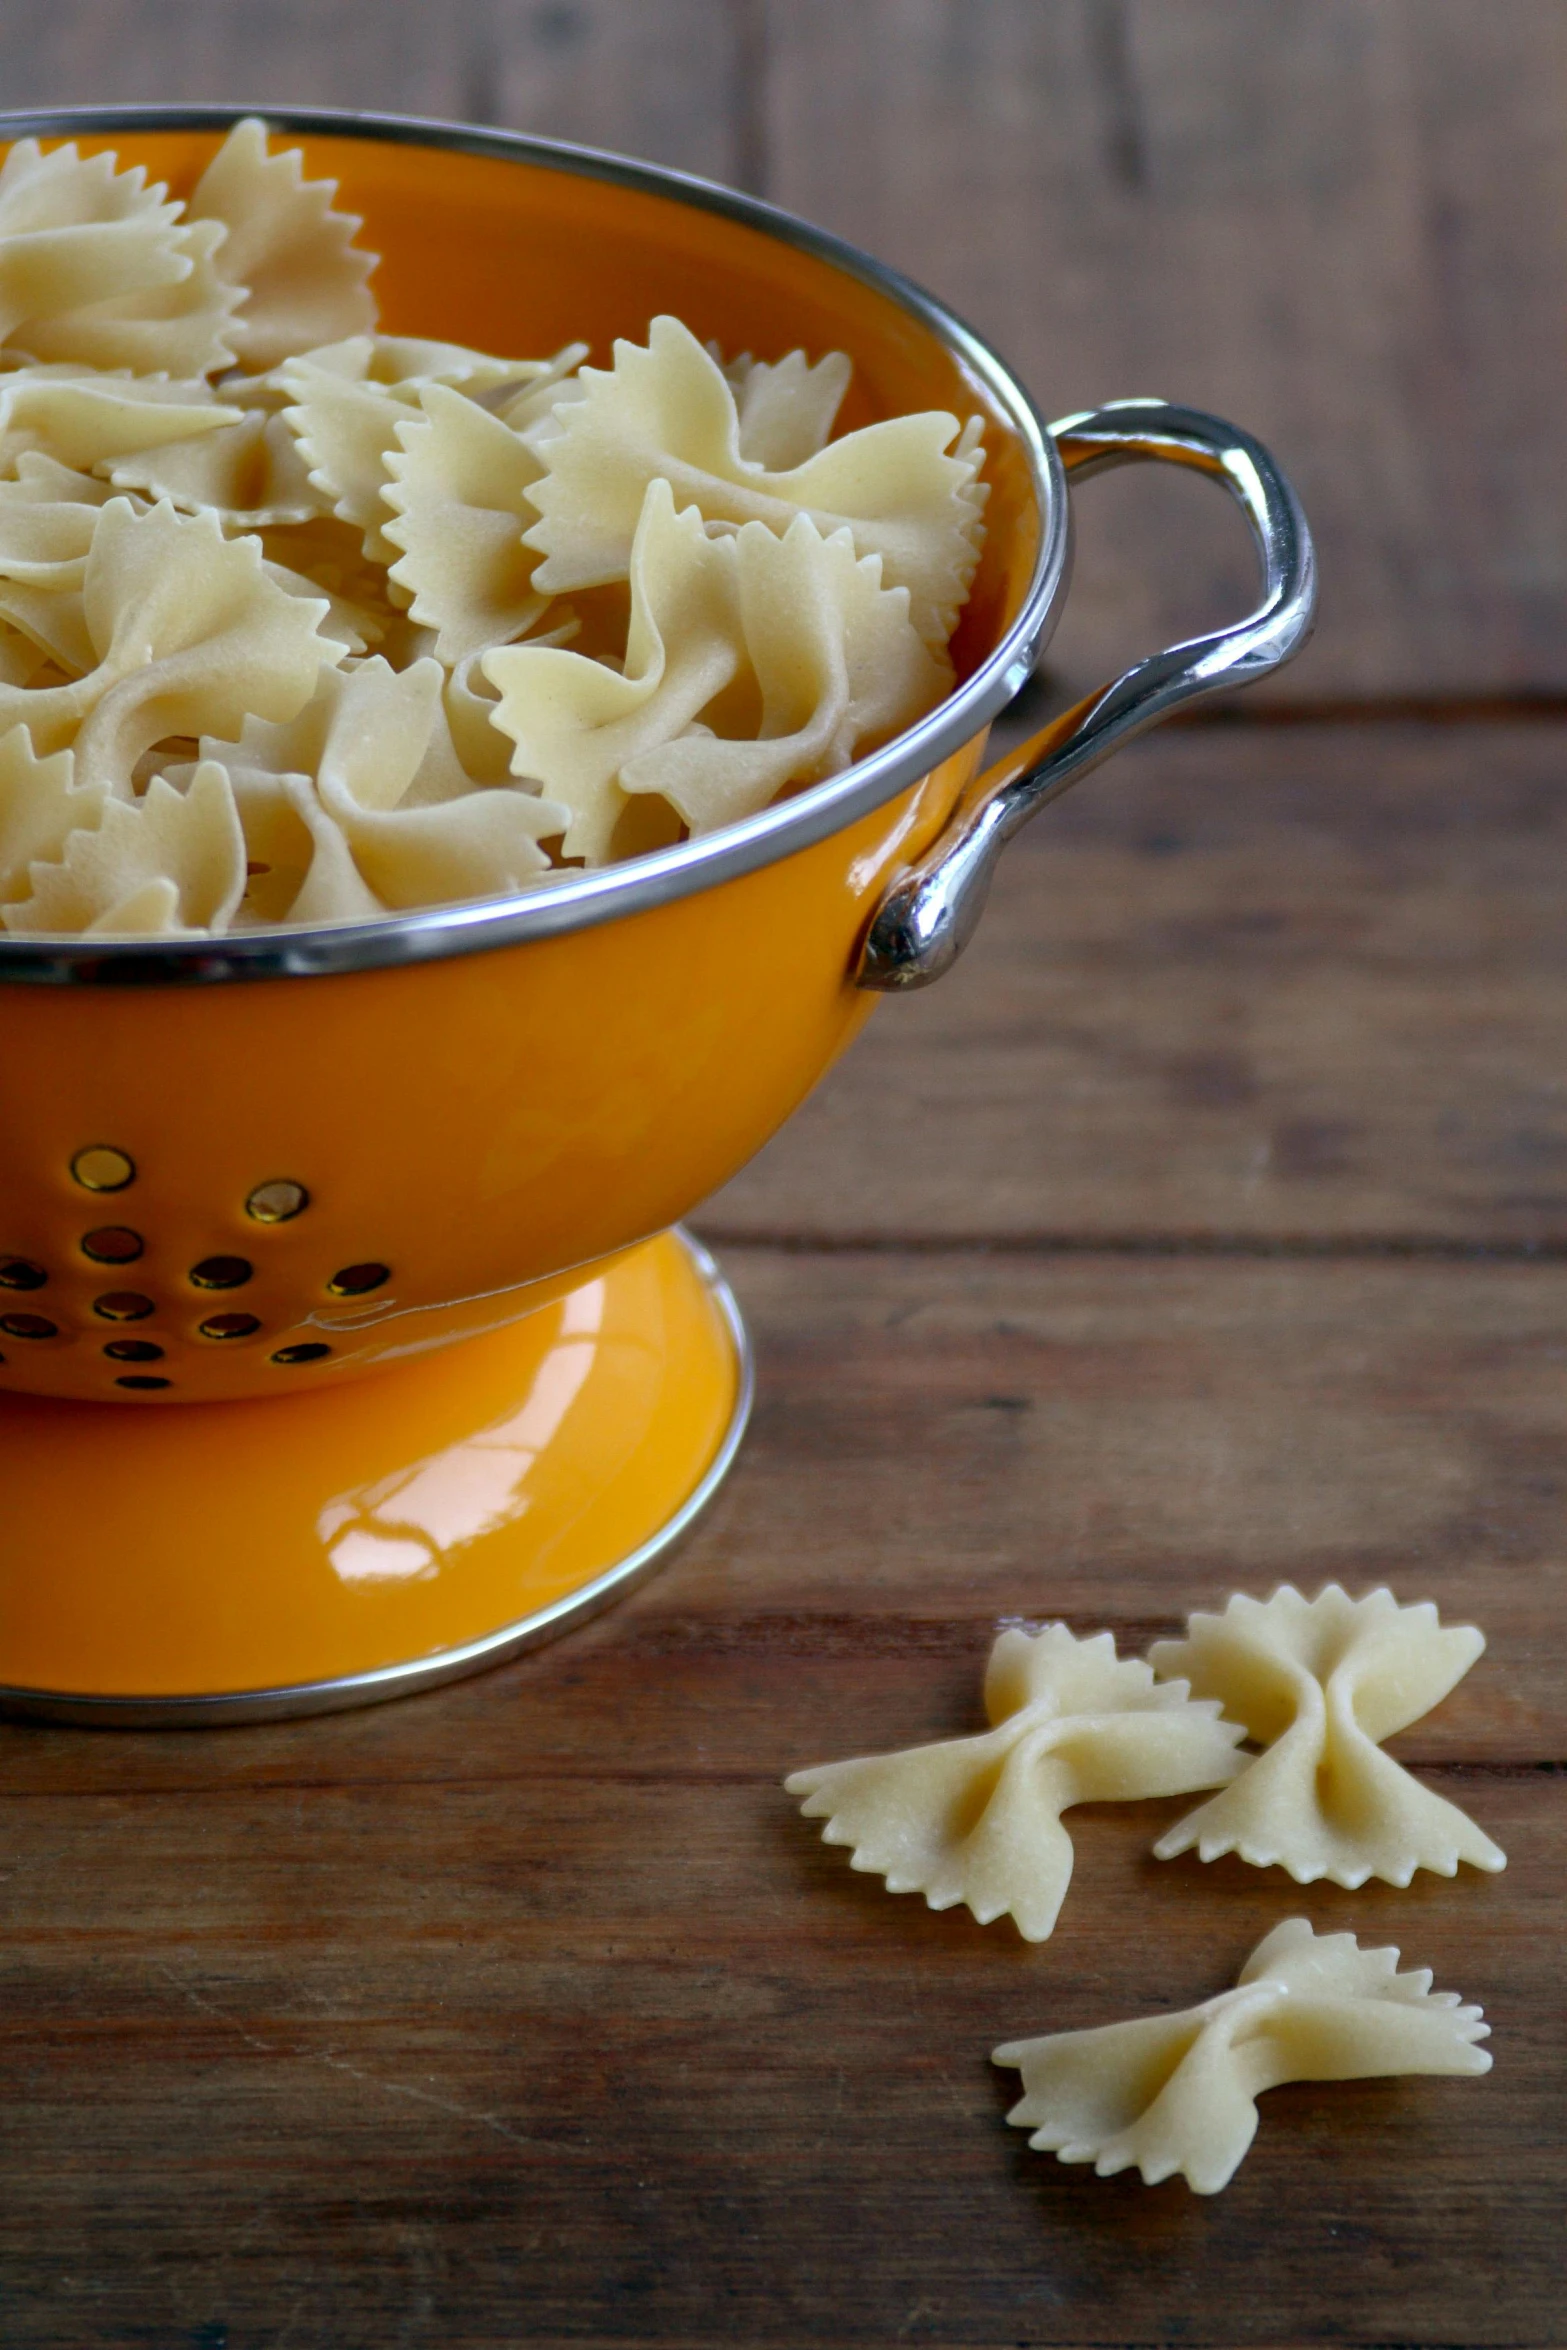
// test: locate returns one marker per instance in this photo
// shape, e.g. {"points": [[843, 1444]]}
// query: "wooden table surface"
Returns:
{"points": [[1206, 1228]]}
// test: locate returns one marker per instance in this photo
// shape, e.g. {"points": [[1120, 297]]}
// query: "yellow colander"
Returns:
{"points": [[237, 1174]]}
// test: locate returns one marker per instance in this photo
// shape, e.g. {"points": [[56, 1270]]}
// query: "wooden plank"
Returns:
{"points": [[531, 2011], [378, 54], [946, 1441], [513, 2073], [1275, 984], [660, 82], [649, 77], [577, 2119], [1340, 222], [579, 2063]]}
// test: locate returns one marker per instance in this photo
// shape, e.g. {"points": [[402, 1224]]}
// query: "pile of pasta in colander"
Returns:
{"points": [[301, 623]]}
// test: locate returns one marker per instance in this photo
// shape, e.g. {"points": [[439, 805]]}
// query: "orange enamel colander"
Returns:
{"points": [[237, 1175]]}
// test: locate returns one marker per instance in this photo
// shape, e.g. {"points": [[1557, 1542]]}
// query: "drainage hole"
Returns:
{"points": [[222, 1272], [103, 1168], [230, 1326], [28, 1326], [113, 1244], [277, 1202], [123, 1305], [359, 1280]]}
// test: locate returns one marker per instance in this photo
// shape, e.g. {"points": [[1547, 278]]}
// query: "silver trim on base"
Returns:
{"points": [[350, 1690]]}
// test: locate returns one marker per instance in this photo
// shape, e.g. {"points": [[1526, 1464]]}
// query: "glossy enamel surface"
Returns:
{"points": [[484, 1126], [379, 1538], [501, 242]]}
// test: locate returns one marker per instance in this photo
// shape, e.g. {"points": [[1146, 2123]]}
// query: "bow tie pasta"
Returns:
{"points": [[166, 865], [288, 255], [1319, 1683], [96, 267], [459, 488], [786, 408], [978, 1820], [667, 413], [1175, 2094], [792, 647], [304, 622], [187, 634]]}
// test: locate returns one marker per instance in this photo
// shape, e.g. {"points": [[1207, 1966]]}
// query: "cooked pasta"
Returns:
{"points": [[302, 622]]}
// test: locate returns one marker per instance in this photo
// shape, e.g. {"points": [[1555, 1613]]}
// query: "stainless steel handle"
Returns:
{"points": [[929, 913]]}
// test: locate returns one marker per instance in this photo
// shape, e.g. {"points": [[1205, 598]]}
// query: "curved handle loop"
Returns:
{"points": [[930, 912]]}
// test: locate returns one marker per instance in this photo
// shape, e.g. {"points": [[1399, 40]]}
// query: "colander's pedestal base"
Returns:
{"points": [[209, 1563]]}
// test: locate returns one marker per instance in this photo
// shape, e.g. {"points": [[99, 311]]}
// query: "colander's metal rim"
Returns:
{"points": [[233, 1708], [643, 883]]}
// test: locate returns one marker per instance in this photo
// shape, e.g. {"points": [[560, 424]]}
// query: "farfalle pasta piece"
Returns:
{"points": [[77, 231], [977, 1820], [665, 412], [752, 661], [391, 782], [301, 869], [250, 473], [97, 267], [348, 402], [1177, 2093], [787, 406], [346, 428], [167, 864], [459, 490], [84, 419], [837, 665], [1319, 1683], [288, 254], [577, 722], [40, 808], [190, 637]]}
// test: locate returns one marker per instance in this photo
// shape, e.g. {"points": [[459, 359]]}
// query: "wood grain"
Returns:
{"points": [[1217, 1224], [1272, 985], [1314, 232], [946, 1441], [1333, 230], [655, 78], [529, 2011], [570, 2061]]}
